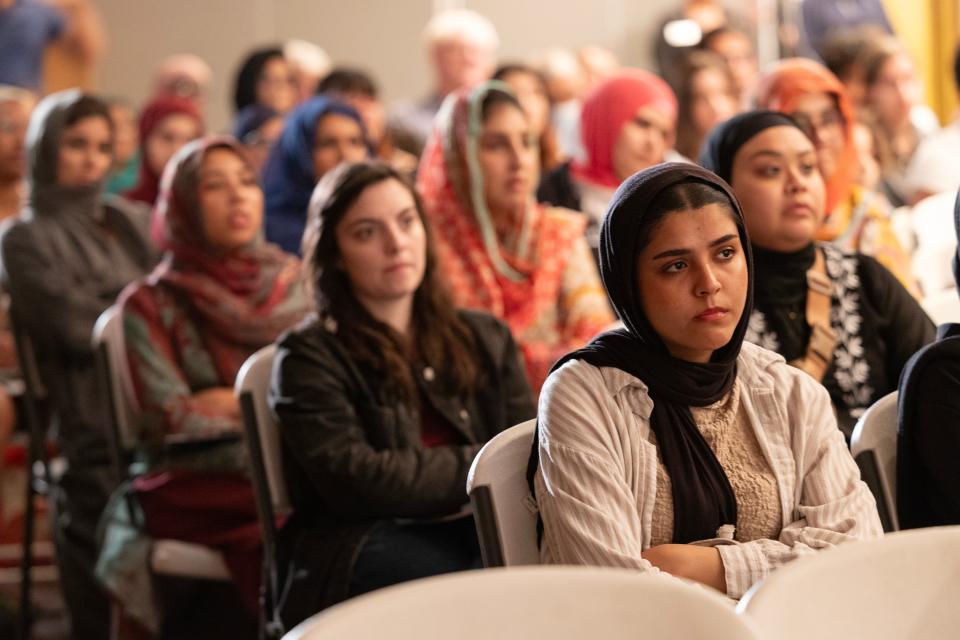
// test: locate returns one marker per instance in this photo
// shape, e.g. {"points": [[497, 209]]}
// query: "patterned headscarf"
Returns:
{"points": [[246, 298], [515, 275]]}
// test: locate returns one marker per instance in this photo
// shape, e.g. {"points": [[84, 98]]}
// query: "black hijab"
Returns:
{"points": [[782, 276], [702, 496], [726, 138]]}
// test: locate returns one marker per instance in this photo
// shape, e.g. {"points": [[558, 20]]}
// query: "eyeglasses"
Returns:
{"points": [[830, 121]]}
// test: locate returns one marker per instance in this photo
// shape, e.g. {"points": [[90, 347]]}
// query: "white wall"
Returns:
{"points": [[382, 36]]}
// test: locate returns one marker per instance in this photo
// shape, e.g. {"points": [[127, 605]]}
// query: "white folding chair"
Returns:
{"points": [[874, 448], [556, 602], [905, 585], [504, 509], [168, 557], [266, 471]]}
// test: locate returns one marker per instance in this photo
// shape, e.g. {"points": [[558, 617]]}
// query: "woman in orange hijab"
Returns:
{"points": [[858, 218]]}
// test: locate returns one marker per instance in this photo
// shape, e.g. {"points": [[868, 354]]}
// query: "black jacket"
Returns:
{"points": [[352, 453], [928, 439]]}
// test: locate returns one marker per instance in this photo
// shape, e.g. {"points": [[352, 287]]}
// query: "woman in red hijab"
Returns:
{"points": [[500, 251], [166, 124], [220, 294], [628, 123], [857, 217]]}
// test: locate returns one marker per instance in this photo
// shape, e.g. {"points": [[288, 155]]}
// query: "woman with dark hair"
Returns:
{"points": [[317, 136], [220, 293], [857, 218], [627, 124], [839, 316], [526, 264], [65, 260], [707, 95], [531, 90], [384, 398], [265, 78], [166, 124], [671, 444]]}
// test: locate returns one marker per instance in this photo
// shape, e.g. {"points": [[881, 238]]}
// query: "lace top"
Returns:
{"points": [[725, 426]]}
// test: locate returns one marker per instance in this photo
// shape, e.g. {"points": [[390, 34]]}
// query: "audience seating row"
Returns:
{"points": [[901, 586]]}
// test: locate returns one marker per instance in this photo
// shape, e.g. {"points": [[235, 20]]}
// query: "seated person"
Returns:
{"points": [[220, 294], [928, 478], [66, 258], [671, 444], [257, 128], [166, 124], [383, 399], [628, 124], [858, 218], [840, 316], [317, 135], [525, 263]]}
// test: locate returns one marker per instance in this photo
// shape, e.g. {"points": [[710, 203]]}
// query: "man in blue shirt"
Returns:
{"points": [[27, 27]]}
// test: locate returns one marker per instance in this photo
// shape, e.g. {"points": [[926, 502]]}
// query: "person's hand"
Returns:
{"points": [[701, 564], [218, 401]]}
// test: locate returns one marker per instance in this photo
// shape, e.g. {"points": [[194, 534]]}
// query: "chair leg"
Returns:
{"points": [[26, 561]]}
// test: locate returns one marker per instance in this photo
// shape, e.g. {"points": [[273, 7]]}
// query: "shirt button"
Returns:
{"points": [[428, 374], [464, 415]]}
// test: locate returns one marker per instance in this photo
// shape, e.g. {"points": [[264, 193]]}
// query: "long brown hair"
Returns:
{"points": [[439, 337]]}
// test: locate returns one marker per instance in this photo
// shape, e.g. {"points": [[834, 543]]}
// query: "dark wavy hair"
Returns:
{"points": [[440, 338]]}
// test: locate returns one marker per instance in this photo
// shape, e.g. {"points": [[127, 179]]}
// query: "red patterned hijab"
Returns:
{"points": [[244, 300], [514, 274]]}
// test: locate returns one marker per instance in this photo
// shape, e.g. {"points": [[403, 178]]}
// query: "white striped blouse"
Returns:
{"points": [[596, 483]]}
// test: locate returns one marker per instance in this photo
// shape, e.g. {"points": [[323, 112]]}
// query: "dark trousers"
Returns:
{"points": [[397, 552], [78, 499]]}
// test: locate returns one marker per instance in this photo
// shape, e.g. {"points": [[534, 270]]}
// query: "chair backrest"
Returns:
{"points": [[504, 510], [556, 602], [905, 585], [251, 387], [874, 447], [109, 346]]}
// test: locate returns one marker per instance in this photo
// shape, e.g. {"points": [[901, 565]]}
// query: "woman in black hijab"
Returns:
{"points": [[928, 441], [672, 431], [839, 316], [65, 260]]}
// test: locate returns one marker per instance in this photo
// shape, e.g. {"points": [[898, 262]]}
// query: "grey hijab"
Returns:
{"points": [[101, 240]]}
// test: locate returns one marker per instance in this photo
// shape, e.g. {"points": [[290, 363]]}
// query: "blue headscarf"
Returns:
{"points": [[251, 118], [288, 178]]}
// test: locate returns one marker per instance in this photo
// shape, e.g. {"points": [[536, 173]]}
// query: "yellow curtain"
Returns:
{"points": [[930, 29]]}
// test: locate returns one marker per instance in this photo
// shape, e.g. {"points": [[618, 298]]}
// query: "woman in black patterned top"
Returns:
{"points": [[856, 348]]}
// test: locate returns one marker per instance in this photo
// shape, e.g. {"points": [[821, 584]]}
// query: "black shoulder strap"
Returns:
{"points": [[532, 463]]}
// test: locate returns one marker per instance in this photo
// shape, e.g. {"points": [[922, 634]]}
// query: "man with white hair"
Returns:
{"points": [[461, 49]]}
